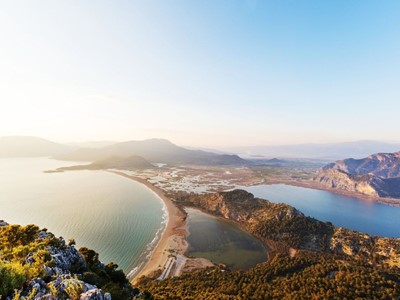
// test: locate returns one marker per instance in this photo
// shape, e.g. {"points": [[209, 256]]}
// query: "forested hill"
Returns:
{"points": [[282, 226], [309, 275]]}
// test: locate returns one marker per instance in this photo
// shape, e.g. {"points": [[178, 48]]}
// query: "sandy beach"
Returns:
{"points": [[173, 239]]}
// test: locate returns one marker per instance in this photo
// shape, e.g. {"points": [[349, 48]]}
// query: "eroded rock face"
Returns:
{"points": [[384, 165], [66, 260], [333, 178], [62, 272], [376, 175], [64, 286]]}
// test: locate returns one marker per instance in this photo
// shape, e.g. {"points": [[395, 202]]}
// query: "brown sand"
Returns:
{"points": [[173, 237]]}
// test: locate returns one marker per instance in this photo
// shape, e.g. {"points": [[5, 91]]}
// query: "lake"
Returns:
{"points": [[222, 241], [118, 217], [368, 217]]}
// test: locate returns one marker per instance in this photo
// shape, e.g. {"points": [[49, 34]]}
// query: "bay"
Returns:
{"points": [[117, 217]]}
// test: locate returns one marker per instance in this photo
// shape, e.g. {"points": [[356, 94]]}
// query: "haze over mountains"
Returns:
{"points": [[152, 150], [333, 151], [26, 146], [161, 150], [90, 144]]}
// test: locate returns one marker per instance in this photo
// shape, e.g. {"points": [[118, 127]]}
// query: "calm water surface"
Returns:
{"points": [[222, 242], [117, 217], [356, 214]]}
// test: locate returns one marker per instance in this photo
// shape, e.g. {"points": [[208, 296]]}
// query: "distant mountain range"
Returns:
{"points": [[357, 149], [25, 146], [163, 151], [375, 175], [152, 150]]}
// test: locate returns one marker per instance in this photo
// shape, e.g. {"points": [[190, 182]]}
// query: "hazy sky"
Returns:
{"points": [[210, 73]]}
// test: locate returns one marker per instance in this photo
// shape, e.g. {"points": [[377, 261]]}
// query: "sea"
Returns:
{"points": [[117, 217]]}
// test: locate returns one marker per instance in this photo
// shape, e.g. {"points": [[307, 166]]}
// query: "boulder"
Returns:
{"points": [[95, 294]]}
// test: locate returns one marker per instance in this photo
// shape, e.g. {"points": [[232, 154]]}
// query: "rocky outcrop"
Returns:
{"points": [[377, 175], [338, 179], [95, 294], [42, 266], [65, 287]]}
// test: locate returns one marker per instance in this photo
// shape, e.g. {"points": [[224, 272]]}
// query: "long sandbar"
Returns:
{"points": [[173, 235]]}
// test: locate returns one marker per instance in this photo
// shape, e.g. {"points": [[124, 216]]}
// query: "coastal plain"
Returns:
{"points": [[171, 182]]}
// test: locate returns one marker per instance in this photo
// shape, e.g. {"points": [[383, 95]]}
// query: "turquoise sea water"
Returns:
{"points": [[222, 242], [119, 218], [368, 217]]}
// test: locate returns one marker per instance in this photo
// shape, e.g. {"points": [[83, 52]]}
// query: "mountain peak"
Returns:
{"points": [[376, 175], [155, 150]]}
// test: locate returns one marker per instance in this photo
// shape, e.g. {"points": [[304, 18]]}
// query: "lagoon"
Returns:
{"points": [[222, 241]]}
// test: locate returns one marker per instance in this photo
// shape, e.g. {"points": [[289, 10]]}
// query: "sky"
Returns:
{"points": [[211, 73]]}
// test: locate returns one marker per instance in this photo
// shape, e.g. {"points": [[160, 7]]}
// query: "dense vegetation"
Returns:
{"points": [[310, 275], [16, 243], [26, 254], [108, 277]]}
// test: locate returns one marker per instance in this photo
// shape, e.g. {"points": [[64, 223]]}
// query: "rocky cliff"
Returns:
{"points": [[376, 175], [34, 264]]}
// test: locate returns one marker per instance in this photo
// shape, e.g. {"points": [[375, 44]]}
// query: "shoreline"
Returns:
{"points": [[316, 186], [173, 237]]}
